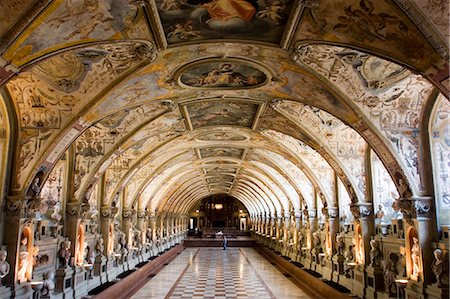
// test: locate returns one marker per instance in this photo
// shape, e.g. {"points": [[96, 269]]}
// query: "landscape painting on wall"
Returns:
{"points": [[185, 20]]}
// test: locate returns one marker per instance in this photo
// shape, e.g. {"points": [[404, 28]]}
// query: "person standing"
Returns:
{"points": [[225, 242]]}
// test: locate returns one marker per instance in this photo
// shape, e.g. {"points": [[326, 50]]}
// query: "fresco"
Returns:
{"points": [[221, 169], [339, 139], [11, 12], [186, 20], [392, 103], [222, 113], [440, 143], [222, 74], [273, 120], [221, 151], [438, 13], [377, 25], [74, 20], [221, 136]]}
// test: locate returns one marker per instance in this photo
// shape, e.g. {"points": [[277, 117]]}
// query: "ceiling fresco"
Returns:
{"points": [[73, 22], [158, 103], [222, 74], [355, 21], [194, 20], [221, 151], [222, 113]]}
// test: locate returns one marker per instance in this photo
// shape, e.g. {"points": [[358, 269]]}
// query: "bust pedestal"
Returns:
{"points": [[338, 267], [359, 281], [63, 279], [435, 292], [5, 292], [327, 268], [375, 281], [414, 290], [100, 268], [80, 278]]}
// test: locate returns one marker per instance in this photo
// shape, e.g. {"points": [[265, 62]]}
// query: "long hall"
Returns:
{"points": [[312, 133]]}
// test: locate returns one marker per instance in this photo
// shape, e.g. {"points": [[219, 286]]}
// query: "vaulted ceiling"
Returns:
{"points": [[165, 102]]}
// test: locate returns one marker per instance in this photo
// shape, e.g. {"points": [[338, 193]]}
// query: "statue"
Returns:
{"points": [[440, 268], [89, 255], [24, 259], [300, 241], [99, 247], [149, 236], [390, 273], [375, 253], [349, 256], [35, 188], [340, 245], [401, 265], [49, 284], [317, 243], [4, 265], [137, 240], [415, 257], [64, 254], [56, 215]]}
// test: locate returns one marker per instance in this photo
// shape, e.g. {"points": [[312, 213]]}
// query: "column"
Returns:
{"points": [[127, 224], [426, 229], [333, 218], [107, 215]]}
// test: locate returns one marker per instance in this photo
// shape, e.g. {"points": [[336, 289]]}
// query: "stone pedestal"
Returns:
{"points": [[63, 279], [5, 292], [100, 268], [414, 290], [80, 283], [374, 281], [327, 269], [359, 281], [308, 260], [338, 267], [435, 292], [23, 291], [111, 269]]}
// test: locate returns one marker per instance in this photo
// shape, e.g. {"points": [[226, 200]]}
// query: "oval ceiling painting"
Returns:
{"points": [[214, 74]]}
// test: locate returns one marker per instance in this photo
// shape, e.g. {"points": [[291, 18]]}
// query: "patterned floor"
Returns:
{"points": [[216, 273]]}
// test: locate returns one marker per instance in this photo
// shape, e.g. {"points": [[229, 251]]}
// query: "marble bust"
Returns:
{"points": [[64, 254], [440, 268], [4, 265]]}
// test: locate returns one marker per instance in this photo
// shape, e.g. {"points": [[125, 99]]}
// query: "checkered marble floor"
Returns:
{"points": [[219, 274]]}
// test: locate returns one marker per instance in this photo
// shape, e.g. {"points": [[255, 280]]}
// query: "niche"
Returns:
{"points": [[413, 254], [79, 254], [25, 255]]}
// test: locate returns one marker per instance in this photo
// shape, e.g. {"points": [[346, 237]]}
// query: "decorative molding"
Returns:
{"points": [[23, 22], [365, 209], [407, 207], [333, 212], [423, 205], [427, 30], [354, 208]]}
